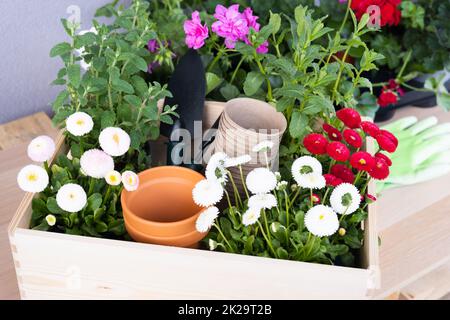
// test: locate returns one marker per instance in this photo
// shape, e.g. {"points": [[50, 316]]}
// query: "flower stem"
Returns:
{"points": [[216, 58], [358, 176], [287, 215], [237, 197], [223, 236], [46, 167], [263, 72], [326, 195], [243, 182], [266, 223], [267, 240], [91, 186], [236, 70], [311, 197], [349, 3], [295, 196], [108, 192]]}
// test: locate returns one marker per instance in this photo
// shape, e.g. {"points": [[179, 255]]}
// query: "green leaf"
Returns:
{"points": [[122, 86], [101, 227], [108, 119], [316, 104], [98, 214], [94, 202], [248, 246], [53, 207], [135, 136], [166, 119], [75, 150], [299, 124], [140, 85], [73, 73], [60, 100], [133, 100], [60, 49], [229, 91], [43, 226], [296, 91], [253, 82], [364, 82], [212, 81], [300, 220], [284, 103], [443, 100], [117, 227], [282, 253]]}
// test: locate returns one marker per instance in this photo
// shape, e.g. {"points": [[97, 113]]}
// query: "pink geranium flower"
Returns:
{"points": [[252, 23], [196, 33], [231, 24]]}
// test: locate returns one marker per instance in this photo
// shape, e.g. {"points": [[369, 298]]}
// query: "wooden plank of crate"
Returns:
{"points": [[414, 247], [25, 129], [14, 138], [432, 286]]}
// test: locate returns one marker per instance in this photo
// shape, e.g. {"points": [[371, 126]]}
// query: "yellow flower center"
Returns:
{"points": [[80, 122], [321, 217], [32, 177], [362, 161], [116, 138], [113, 178], [71, 196], [130, 180]]}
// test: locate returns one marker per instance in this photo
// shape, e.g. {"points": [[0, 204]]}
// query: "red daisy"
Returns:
{"points": [[370, 128], [332, 180], [386, 143], [370, 198], [340, 171], [315, 198], [315, 143], [353, 138], [389, 135], [380, 170], [350, 117], [333, 133], [362, 160], [338, 151], [384, 157]]}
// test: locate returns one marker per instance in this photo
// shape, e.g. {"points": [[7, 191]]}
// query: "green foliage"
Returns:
{"points": [[102, 215], [113, 90]]}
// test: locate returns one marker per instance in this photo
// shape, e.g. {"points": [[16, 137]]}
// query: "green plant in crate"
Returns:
{"points": [[112, 89]]}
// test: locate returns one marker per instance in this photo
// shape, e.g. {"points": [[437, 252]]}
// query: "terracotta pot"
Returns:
{"points": [[161, 210]]}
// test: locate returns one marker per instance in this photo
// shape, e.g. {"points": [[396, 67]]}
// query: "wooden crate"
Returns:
{"points": [[60, 266]]}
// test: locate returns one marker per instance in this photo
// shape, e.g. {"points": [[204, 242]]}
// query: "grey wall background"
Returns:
{"points": [[28, 30]]}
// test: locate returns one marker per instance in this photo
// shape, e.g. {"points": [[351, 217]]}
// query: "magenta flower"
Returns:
{"points": [[263, 48], [153, 45], [251, 19], [196, 33], [152, 66], [231, 24]]}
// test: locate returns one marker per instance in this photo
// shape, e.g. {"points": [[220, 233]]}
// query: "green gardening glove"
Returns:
{"points": [[423, 151]]}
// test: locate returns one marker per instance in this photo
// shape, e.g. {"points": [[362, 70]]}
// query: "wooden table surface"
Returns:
{"points": [[14, 139], [414, 240]]}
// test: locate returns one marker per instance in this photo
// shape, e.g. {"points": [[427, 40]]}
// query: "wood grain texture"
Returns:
{"points": [[414, 247], [432, 286], [14, 139]]}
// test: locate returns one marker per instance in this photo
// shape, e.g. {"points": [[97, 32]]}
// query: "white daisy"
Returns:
{"points": [[50, 219], [79, 124], [311, 181], [96, 163], [215, 170], [130, 180], [321, 221], [345, 198], [277, 175], [265, 146], [114, 141], [251, 216], [32, 178], [212, 244], [282, 185], [305, 165], [261, 180], [207, 193], [237, 161], [41, 149], [113, 178], [262, 201], [71, 197], [206, 219]]}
